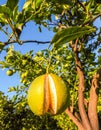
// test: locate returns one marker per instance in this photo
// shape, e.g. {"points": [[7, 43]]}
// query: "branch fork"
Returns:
{"points": [[86, 121]]}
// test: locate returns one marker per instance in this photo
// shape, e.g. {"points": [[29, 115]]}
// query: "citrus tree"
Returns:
{"points": [[73, 54]]}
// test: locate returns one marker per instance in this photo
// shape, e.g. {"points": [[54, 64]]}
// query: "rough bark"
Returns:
{"points": [[81, 89], [86, 121], [92, 109], [74, 119]]}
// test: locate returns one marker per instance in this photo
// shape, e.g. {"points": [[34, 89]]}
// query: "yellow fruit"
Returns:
{"points": [[9, 72], [48, 93]]}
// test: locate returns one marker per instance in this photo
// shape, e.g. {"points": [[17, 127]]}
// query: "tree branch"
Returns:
{"points": [[26, 41], [81, 89], [74, 119], [12, 27], [92, 19], [92, 108], [35, 41]]}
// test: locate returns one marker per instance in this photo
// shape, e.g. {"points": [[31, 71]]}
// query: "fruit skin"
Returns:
{"points": [[62, 94], [36, 95], [9, 72]]}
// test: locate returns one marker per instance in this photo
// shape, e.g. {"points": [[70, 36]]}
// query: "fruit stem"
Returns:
{"points": [[50, 59]]}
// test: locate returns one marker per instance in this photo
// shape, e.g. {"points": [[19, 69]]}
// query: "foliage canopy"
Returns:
{"points": [[74, 53]]}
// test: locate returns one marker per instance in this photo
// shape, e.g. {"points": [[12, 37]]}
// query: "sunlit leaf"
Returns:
{"points": [[26, 4], [38, 2], [71, 33]]}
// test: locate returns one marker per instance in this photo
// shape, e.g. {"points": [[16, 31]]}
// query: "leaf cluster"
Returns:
{"points": [[16, 115], [73, 20]]}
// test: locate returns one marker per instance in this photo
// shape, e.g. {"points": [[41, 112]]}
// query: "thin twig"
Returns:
{"points": [[27, 41]]}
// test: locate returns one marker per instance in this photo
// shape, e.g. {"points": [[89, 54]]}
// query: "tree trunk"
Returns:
{"points": [[86, 121]]}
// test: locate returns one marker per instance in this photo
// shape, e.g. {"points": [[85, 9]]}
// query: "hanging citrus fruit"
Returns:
{"points": [[9, 72], [48, 93]]}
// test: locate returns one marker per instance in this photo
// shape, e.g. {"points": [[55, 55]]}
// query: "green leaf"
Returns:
{"points": [[11, 89], [4, 10], [71, 33], [12, 4], [28, 3], [38, 2]]}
